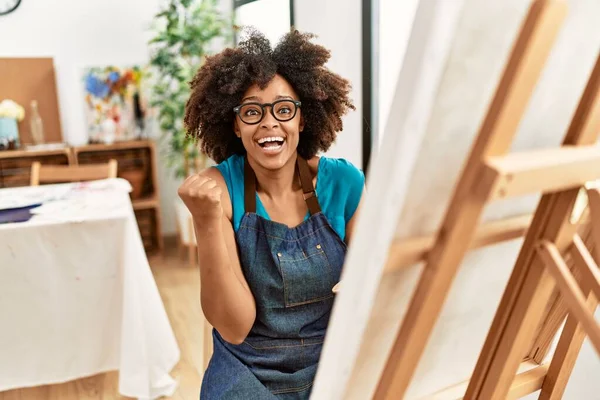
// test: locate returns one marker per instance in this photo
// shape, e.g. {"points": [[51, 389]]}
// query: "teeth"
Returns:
{"points": [[270, 139]]}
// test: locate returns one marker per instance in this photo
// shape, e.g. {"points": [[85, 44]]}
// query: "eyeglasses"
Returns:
{"points": [[281, 110]]}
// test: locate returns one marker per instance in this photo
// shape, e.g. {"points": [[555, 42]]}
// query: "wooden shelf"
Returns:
{"points": [[8, 154], [136, 162], [15, 165], [127, 145]]}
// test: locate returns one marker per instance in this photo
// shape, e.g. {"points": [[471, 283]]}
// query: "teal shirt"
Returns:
{"points": [[339, 188]]}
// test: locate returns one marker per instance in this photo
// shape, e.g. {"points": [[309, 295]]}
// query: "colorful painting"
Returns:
{"points": [[114, 103]]}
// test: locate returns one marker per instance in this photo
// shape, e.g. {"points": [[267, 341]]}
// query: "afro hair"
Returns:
{"points": [[222, 80]]}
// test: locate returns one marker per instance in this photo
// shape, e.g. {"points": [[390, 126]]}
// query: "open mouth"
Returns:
{"points": [[271, 144]]}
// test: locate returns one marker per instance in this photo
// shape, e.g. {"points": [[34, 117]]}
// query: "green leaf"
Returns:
{"points": [[183, 33]]}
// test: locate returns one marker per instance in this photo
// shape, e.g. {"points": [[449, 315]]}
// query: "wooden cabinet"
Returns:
{"points": [[136, 163], [15, 165]]}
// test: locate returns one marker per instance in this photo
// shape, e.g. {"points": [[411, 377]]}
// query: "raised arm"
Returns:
{"points": [[226, 299]]}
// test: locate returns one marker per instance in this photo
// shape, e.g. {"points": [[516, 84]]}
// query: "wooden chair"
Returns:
{"points": [[71, 173]]}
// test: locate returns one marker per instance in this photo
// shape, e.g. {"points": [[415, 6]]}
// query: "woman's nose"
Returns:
{"points": [[269, 120]]}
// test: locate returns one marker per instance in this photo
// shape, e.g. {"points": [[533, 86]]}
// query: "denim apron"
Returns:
{"points": [[291, 272]]}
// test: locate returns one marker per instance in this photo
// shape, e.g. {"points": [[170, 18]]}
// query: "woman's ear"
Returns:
{"points": [[301, 126], [236, 128]]}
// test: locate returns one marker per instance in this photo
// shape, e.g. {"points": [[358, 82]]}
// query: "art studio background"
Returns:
{"points": [[91, 82]]}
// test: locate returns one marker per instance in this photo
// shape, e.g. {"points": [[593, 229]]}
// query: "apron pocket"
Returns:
{"points": [[307, 278]]}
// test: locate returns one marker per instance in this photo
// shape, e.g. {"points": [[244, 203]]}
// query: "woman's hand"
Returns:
{"points": [[226, 299], [202, 196]]}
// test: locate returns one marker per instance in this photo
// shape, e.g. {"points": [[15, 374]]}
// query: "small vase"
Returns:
{"points": [[109, 131], [36, 124], [9, 134]]}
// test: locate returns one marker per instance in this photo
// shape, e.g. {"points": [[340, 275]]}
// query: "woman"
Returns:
{"points": [[270, 246]]}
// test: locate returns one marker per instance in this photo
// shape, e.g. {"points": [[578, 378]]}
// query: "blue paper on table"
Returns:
{"points": [[17, 214]]}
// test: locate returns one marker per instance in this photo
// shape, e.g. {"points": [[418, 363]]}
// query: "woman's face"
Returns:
{"points": [[271, 143]]}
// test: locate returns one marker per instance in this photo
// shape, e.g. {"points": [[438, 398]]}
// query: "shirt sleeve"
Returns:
{"points": [[351, 182]]}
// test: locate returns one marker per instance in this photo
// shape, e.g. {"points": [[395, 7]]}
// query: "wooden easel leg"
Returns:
{"points": [[550, 326], [574, 298], [530, 286], [558, 311], [594, 204], [565, 356], [588, 268], [471, 195], [569, 345]]}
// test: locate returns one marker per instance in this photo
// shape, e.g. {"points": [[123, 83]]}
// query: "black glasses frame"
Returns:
{"points": [[297, 103]]}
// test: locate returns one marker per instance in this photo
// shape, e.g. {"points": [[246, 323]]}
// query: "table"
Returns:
{"points": [[77, 296]]}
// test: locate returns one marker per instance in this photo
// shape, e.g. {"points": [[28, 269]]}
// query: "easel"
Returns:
{"points": [[491, 173]]}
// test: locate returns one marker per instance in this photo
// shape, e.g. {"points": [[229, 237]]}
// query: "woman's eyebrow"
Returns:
{"points": [[250, 98], [279, 97]]}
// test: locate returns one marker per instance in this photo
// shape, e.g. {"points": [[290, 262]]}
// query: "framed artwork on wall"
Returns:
{"points": [[115, 103]]}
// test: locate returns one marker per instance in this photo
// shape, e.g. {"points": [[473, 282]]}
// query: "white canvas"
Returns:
{"points": [[457, 52]]}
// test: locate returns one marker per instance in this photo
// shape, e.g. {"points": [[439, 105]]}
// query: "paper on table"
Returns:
{"points": [[88, 200], [17, 197], [81, 206], [116, 184], [69, 201]]}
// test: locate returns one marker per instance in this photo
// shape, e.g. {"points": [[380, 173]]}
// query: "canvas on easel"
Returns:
{"points": [[441, 296]]}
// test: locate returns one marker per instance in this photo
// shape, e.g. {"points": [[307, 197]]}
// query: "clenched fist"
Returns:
{"points": [[202, 196]]}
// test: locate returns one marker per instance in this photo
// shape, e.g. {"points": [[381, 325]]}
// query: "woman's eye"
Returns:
{"points": [[251, 112], [284, 110]]}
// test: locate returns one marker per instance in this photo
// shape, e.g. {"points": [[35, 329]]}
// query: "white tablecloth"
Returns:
{"points": [[77, 296]]}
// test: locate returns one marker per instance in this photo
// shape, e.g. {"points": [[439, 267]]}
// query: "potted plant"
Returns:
{"points": [[185, 32], [10, 113]]}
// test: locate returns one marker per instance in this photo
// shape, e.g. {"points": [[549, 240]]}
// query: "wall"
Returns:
{"points": [[337, 23], [271, 17], [78, 34]]}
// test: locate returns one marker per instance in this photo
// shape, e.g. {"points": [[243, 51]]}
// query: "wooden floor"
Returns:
{"points": [[179, 288]]}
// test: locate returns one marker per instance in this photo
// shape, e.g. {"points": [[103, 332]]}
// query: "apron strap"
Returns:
{"points": [[308, 188], [249, 188]]}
